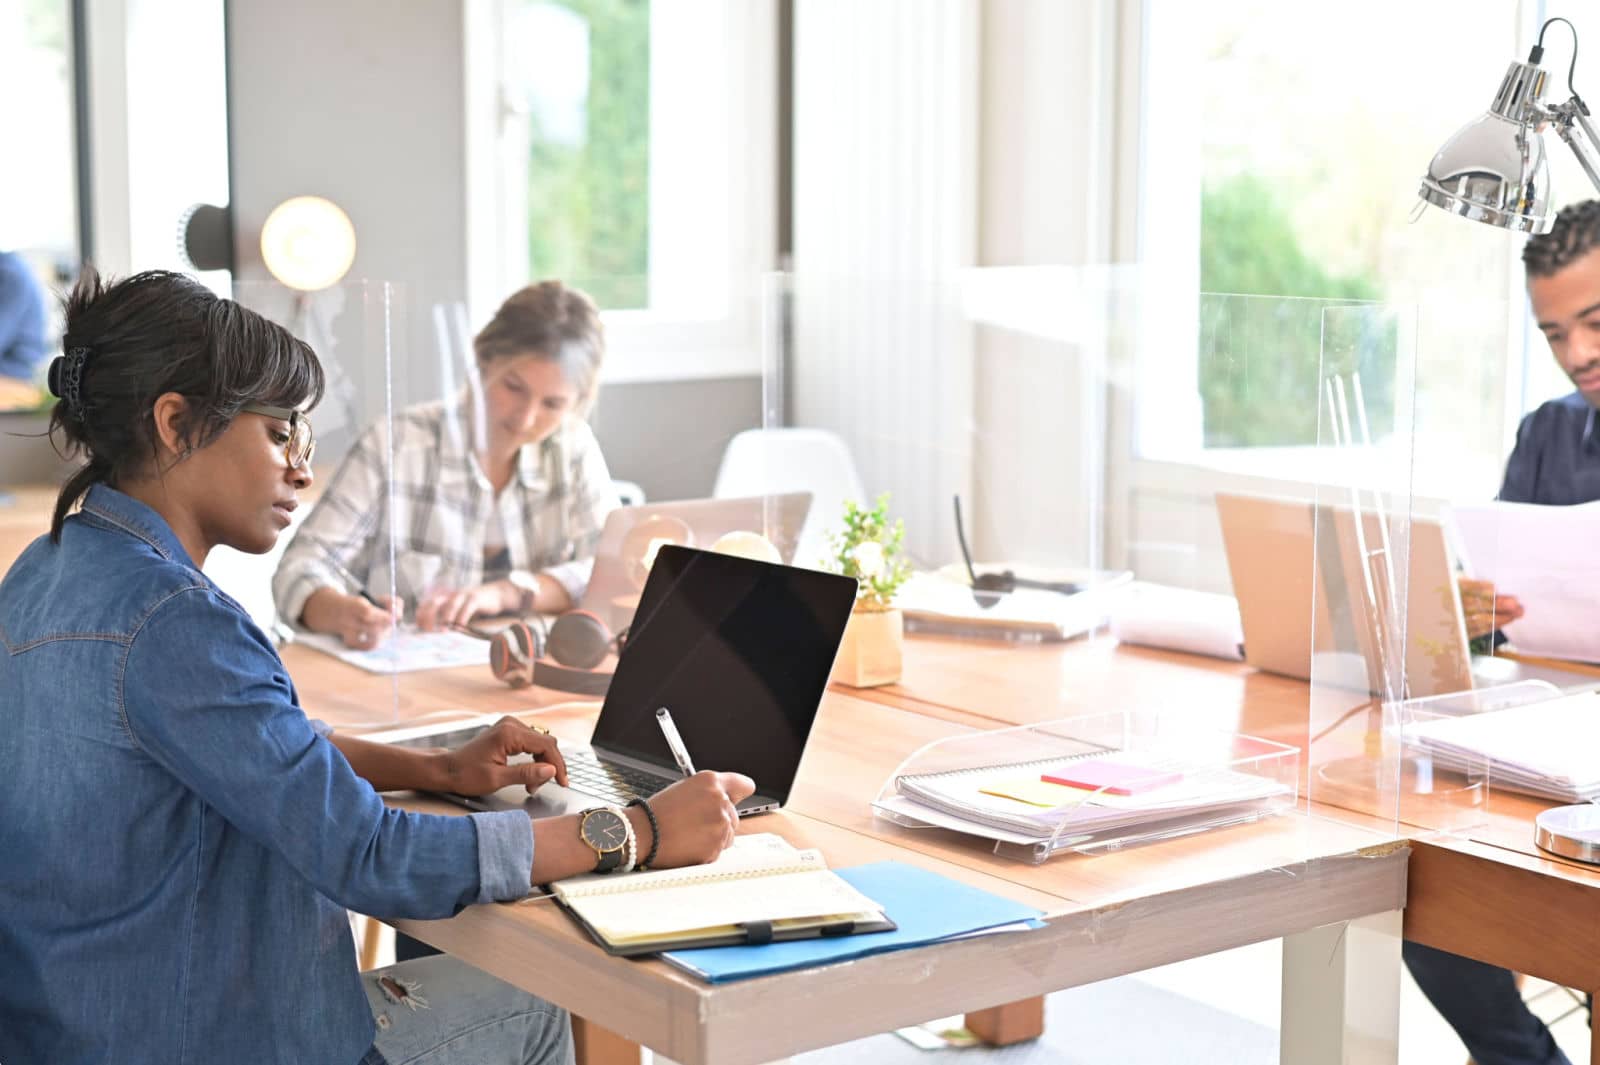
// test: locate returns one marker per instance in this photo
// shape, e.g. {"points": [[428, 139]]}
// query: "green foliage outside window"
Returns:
{"points": [[588, 203], [1261, 359]]}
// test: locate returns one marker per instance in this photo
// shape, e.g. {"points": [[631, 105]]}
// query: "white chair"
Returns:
{"points": [[629, 493], [766, 461]]}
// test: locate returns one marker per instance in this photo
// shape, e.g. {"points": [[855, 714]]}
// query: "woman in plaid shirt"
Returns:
{"points": [[498, 495]]}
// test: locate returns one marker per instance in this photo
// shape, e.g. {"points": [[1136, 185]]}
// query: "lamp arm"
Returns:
{"points": [[1586, 147]]}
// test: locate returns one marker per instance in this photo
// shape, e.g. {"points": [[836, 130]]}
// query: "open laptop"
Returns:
{"points": [[1290, 594], [619, 573], [738, 650]]}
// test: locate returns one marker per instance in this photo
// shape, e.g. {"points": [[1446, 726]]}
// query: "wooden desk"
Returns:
{"points": [[1124, 912], [1478, 885]]}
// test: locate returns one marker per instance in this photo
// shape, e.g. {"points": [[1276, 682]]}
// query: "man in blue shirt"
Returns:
{"points": [[22, 318], [1556, 462]]}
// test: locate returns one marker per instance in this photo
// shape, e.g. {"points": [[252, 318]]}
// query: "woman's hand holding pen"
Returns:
{"points": [[697, 817], [360, 622]]}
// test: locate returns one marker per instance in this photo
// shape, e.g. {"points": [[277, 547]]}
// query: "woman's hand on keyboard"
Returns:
{"points": [[697, 817], [480, 765]]}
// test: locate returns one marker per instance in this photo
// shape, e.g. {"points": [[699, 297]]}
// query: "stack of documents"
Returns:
{"points": [[1550, 749], [759, 890], [944, 602], [927, 907], [1084, 797], [1178, 619]]}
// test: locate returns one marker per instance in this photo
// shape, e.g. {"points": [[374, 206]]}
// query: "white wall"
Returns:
{"points": [[360, 101]]}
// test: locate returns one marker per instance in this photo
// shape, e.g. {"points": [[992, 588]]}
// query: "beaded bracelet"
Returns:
{"points": [[655, 833]]}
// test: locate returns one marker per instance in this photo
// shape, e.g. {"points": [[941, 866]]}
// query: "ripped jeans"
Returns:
{"points": [[440, 1010]]}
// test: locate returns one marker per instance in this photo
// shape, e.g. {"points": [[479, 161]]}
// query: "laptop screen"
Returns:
{"points": [[739, 651]]}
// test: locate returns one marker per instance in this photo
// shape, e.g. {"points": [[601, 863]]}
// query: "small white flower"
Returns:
{"points": [[868, 558]]}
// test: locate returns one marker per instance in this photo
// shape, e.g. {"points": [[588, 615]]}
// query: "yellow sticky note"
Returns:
{"points": [[1035, 792]]}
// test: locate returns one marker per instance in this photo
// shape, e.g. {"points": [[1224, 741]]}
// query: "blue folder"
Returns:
{"points": [[927, 907]]}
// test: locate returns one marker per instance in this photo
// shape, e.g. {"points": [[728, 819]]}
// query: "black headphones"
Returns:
{"points": [[577, 640]]}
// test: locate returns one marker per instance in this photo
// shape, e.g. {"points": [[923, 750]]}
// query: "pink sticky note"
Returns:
{"points": [[1117, 778]]}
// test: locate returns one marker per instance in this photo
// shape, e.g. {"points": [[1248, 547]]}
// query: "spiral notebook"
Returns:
{"points": [[760, 890]]}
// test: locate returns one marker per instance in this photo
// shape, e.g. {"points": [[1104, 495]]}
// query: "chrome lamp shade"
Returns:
{"points": [[1494, 170]]}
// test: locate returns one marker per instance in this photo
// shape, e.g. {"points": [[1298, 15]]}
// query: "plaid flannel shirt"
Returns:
{"points": [[412, 517]]}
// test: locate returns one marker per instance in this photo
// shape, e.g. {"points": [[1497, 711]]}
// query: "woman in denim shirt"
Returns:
{"points": [[180, 843]]}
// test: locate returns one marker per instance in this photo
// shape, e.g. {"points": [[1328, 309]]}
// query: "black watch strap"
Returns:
{"points": [[655, 833], [609, 860]]}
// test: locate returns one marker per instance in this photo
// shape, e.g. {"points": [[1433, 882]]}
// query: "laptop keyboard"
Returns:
{"points": [[609, 780]]}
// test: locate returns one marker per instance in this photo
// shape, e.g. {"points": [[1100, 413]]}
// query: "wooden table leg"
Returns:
{"points": [[1015, 1022], [595, 1045]]}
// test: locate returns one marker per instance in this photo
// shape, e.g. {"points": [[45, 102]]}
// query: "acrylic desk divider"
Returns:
{"points": [[1089, 784], [1448, 793]]}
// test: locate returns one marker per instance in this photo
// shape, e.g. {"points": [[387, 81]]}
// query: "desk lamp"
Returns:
{"points": [[1493, 170]]}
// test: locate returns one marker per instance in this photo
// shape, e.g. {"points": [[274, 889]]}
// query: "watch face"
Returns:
{"points": [[604, 830]]}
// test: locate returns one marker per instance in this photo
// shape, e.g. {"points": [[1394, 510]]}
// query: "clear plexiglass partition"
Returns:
{"points": [[453, 453], [1093, 470], [1407, 540]]}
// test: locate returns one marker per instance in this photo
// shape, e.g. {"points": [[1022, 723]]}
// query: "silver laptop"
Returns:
{"points": [[1298, 574], [626, 539], [738, 650]]}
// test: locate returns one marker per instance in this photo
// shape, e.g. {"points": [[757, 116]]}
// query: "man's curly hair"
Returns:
{"points": [[1575, 234]]}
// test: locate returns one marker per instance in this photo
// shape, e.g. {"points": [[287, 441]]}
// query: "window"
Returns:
{"points": [[39, 209], [628, 147], [1280, 153]]}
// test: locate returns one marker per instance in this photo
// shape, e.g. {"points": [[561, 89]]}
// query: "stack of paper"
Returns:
{"points": [[1016, 804], [944, 602], [1550, 749], [1178, 619]]}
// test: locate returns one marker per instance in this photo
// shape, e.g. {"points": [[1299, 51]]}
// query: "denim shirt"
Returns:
{"points": [[178, 844], [1557, 458]]}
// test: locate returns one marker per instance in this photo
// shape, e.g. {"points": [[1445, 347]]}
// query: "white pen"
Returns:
{"points": [[680, 753]]}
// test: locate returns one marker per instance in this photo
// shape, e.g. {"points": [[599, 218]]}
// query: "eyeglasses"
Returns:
{"points": [[301, 444]]}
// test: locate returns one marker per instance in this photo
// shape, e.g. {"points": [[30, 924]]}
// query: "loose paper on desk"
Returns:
{"points": [[1545, 556], [407, 650], [1178, 619]]}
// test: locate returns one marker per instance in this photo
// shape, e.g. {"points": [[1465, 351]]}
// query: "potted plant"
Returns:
{"points": [[868, 548]]}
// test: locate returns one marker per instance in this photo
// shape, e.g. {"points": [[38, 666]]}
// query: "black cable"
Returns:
{"points": [[1538, 54]]}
